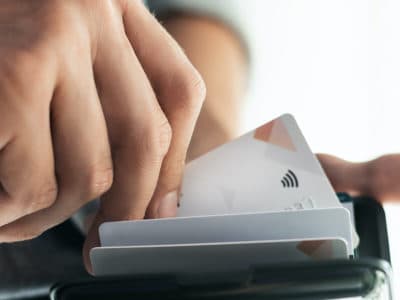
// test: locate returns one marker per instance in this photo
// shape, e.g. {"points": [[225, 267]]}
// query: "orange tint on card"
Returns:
{"points": [[275, 133], [263, 133], [309, 247]]}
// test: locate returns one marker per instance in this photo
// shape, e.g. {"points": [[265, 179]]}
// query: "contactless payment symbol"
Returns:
{"points": [[290, 180]]}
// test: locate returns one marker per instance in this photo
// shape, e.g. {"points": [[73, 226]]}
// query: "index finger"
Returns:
{"points": [[138, 131], [180, 91]]}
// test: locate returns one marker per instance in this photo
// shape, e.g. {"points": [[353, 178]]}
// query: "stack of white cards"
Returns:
{"points": [[262, 198]]}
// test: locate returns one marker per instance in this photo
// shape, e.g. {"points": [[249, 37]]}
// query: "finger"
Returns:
{"points": [[337, 171], [180, 91], [139, 134], [5, 126], [27, 174], [82, 152], [345, 176], [5, 138]]}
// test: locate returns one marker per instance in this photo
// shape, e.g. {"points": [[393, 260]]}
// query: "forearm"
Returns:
{"points": [[220, 58]]}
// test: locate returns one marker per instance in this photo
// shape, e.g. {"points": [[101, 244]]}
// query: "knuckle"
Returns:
{"points": [[98, 180], [18, 63], [22, 71], [159, 138], [191, 88], [22, 57], [44, 196], [35, 197]]}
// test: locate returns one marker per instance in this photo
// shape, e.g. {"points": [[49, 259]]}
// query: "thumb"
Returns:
{"points": [[345, 176], [92, 240]]}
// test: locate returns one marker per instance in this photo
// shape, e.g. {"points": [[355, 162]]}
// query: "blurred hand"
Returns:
{"points": [[95, 98], [378, 178]]}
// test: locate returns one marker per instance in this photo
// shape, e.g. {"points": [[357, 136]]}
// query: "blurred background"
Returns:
{"points": [[335, 65]]}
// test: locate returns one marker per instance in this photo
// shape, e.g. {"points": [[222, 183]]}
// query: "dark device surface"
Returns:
{"points": [[28, 269], [322, 280]]}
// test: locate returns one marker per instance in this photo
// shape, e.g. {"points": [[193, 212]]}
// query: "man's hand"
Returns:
{"points": [[96, 98], [378, 178]]}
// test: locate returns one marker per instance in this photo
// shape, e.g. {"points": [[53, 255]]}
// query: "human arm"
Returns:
{"points": [[378, 178]]}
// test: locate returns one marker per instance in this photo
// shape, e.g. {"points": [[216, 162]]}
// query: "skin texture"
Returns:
{"points": [[87, 110]]}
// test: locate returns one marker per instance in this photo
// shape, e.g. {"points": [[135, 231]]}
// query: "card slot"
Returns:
{"points": [[305, 224], [211, 257], [207, 244]]}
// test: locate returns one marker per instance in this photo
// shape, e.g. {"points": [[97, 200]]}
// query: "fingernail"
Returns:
{"points": [[168, 205]]}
